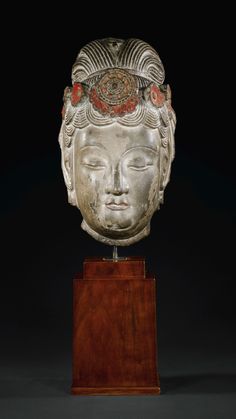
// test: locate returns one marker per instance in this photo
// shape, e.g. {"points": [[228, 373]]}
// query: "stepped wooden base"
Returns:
{"points": [[114, 335]]}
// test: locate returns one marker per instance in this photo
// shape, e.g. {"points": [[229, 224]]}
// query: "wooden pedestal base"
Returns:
{"points": [[114, 336]]}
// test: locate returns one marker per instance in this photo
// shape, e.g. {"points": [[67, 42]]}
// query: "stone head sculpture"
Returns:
{"points": [[117, 138]]}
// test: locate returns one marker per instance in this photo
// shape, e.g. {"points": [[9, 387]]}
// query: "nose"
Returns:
{"points": [[116, 184]]}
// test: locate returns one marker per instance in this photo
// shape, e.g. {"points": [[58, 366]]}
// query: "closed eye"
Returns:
{"points": [[140, 167], [95, 165]]}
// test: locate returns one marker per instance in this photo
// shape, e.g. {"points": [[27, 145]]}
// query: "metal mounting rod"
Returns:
{"points": [[115, 253]]}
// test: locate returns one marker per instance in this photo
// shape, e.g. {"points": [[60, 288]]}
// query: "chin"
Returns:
{"points": [[117, 225], [117, 237], [121, 231], [115, 230]]}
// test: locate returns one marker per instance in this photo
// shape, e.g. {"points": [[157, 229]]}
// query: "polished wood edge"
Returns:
{"points": [[116, 277], [114, 391], [125, 278], [107, 259]]}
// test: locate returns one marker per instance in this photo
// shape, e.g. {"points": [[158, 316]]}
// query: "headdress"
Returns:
{"points": [[116, 80]]}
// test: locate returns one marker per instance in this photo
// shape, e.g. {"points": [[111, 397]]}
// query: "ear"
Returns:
{"points": [[67, 166], [167, 152]]}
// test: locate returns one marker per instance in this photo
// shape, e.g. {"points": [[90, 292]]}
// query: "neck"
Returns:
{"points": [[116, 242]]}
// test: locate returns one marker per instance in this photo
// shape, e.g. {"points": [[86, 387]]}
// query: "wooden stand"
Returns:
{"points": [[114, 335]]}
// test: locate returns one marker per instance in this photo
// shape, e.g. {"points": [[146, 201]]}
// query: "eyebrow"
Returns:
{"points": [[146, 148], [97, 145], [92, 145]]}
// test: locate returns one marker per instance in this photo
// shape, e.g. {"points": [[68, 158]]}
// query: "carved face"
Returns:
{"points": [[116, 179]]}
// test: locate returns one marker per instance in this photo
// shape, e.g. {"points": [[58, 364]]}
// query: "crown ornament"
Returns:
{"points": [[117, 93]]}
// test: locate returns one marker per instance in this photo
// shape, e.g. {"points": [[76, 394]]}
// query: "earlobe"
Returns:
{"points": [[67, 168], [72, 197], [166, 157], [166, 166]]}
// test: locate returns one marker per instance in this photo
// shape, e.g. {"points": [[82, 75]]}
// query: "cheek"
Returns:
{"points": [[140, 183], [89, 184]]}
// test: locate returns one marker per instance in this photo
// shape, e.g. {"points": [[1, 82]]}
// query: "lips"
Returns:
{"points": [[117, 206]]}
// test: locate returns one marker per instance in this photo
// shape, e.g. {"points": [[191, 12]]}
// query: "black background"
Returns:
{"points": [[191, 245]]}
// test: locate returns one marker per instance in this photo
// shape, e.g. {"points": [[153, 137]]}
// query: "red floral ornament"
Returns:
{"points": [[66, 97], [113, 110], [115, 94], [76, 94], [156, 96]]}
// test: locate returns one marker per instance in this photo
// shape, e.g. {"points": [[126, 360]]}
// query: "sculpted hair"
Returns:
{"points": [[138, 57]]}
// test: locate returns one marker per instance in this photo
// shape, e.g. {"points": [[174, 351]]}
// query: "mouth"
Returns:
{"points": [[117, 206]]}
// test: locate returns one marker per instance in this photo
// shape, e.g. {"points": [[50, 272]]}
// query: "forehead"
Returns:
{"points": [[116, 138]]}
